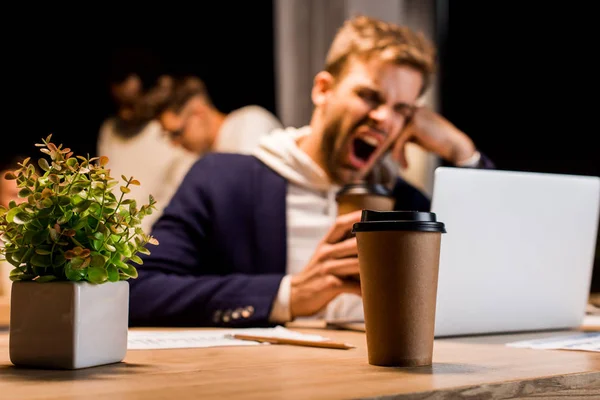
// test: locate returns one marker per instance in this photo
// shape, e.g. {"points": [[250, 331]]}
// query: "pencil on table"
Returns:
{"points": [[297, 342]]}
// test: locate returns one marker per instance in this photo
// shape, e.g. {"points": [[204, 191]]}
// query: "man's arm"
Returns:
{"points": [[164, 299], [179, 283], [436, 134]]}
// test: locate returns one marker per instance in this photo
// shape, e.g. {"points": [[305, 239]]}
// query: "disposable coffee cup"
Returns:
{"points": [[362, 196], [398, 255]]}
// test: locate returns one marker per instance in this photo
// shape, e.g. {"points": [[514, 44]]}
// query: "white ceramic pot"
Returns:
{"points": [[68, 325]]}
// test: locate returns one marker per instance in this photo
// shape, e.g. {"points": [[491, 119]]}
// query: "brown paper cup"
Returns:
{"points": [[399, 261]]}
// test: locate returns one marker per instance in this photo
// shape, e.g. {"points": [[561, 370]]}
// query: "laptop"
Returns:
{"points": [[518, 253]]}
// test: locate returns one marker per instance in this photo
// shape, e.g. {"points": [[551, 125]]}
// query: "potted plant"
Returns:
{"points": [[71, 243]]}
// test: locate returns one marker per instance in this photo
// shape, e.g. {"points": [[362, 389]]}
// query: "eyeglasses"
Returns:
{"points": [[176, 133]]}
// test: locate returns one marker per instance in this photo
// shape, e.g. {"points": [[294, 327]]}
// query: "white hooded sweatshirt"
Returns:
{"points": [[311, 212]]}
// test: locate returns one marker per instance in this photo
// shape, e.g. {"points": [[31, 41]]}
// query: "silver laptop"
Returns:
{"points": [[519, 251]]}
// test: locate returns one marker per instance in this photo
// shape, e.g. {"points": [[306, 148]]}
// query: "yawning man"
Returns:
{"points": [[253, 240]]}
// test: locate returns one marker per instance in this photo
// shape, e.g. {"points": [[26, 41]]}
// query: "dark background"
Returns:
{"points": [[56, 69], [519, 81], [519, 78]]}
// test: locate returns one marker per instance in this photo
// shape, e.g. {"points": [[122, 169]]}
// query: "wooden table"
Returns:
{"points": [[478, 367], [474, 368]]}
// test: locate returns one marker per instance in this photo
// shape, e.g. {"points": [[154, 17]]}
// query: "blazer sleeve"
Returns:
{"points": [[179, 285]]}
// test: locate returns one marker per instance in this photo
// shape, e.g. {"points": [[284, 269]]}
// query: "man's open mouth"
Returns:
{"points": [[363, 147]]}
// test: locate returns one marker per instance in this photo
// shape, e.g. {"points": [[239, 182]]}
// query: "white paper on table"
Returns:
{"points": [[181, 339], [582, 341]]}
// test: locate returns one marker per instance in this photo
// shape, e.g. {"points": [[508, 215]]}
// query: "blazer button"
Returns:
{"points": [[217, 316], [236, 314], [248, 311], [226, 316]]}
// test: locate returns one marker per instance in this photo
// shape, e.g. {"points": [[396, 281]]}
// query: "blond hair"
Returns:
{"points": [[364, 37]]}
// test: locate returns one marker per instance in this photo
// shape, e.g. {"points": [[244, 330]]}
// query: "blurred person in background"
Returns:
{"points": [[186, 111], [134, 141]]}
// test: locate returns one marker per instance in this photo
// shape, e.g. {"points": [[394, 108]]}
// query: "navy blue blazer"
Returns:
{"points": [[222, 246]]}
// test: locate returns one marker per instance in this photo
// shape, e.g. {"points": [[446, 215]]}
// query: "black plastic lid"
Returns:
{"points": [[398, 221], [364, 188]]}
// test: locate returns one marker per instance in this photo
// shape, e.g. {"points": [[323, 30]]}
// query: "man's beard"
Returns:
{"points": [[331, 158], [334, 160]]}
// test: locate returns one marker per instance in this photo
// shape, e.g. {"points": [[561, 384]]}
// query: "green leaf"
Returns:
{"points": [[22, 277], [136, 260], [53, 177], [43, 163], [97, 244], [99, 236], [65, 218], [58, 259], [96, 207], [132, 247], [98, 261], [73, 274], [83, 222], [47, 203], [135, 221], [97, 275], [13, 262], [41, 251], [110, 247], [84, 205], [21, 256], [127, 269], [124, 249], [64, 201], [45, 278], [113, 273], [24, 192], [54, 235], [77, 262], [72, 162], [76, 188], [28, 254], [132, 272], [45, 212], [10, 216], [28, 236], [10, 176], [39, 260], [40, 237], [21, 218], [143, 250]]}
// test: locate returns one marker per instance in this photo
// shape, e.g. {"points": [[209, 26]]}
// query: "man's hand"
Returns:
{"points": [[323, 277], [435, 134]]}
